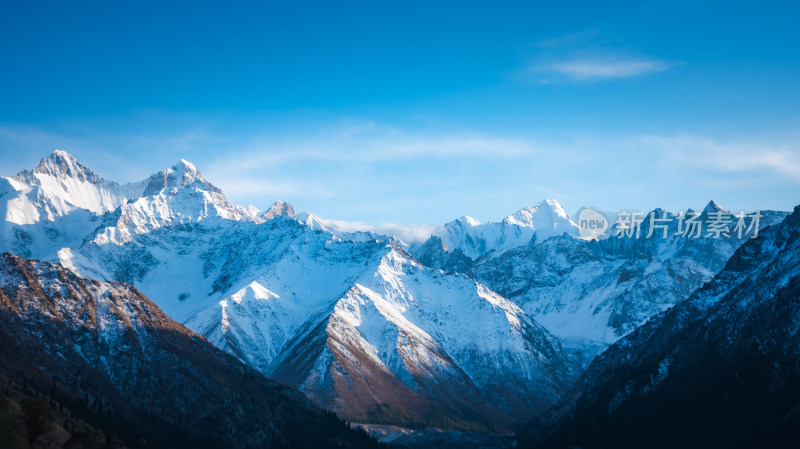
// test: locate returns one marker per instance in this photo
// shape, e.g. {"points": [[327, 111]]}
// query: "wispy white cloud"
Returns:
{"points": [[371, 142], [412, 233], [600, 69], [568, 40], [705, 153], [585, 57]]}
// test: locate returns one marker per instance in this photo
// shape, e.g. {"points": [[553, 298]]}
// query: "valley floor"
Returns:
{"points": [[394, 436]]}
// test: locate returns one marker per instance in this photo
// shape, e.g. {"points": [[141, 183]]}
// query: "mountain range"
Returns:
{"points": [[483, 326], [356, 323]]}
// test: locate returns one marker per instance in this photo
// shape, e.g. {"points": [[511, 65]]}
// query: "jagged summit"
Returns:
{"points": [[537, 223], [311, 220], [467, 220], [278, 208], [186, 164], [435, 242], [713, 206], [60, 185], [548, 211], [59, 156], [59, 164], [180, 175], [57, 186]]}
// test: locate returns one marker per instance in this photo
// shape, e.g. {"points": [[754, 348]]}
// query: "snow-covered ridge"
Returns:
{"points": [[56, 187], [62, 203], [537, 223], [591, 293], [61, 186]]}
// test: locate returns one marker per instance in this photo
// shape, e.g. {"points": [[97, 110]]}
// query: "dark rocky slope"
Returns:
{"points": [[102, 353]]}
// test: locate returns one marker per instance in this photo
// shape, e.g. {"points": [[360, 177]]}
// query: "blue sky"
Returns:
{"points": [[405, 112]]}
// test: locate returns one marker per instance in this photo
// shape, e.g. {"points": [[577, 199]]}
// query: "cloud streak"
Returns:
{"points": [[690, 150], [599, 69], [369, 142], [413, 233], [584, 57]]}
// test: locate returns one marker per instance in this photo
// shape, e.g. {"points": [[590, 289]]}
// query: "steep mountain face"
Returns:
{"points": [[435, 253], [399, 334], [176, 196], [591, 293], [349, 318], [54, 205], [717, 370], [106, 352], [59, 185]]}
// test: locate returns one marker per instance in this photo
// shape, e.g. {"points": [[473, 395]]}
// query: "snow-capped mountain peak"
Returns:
{"points": [[311, 220], [56, 187], [542, 221], [180, 175], [278, 208], [547, 214], [60, 165], [712, 207], [467, 220]]}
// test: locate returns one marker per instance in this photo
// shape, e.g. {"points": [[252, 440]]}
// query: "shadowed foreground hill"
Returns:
{"points": [[103, 354], [721, 369]]}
